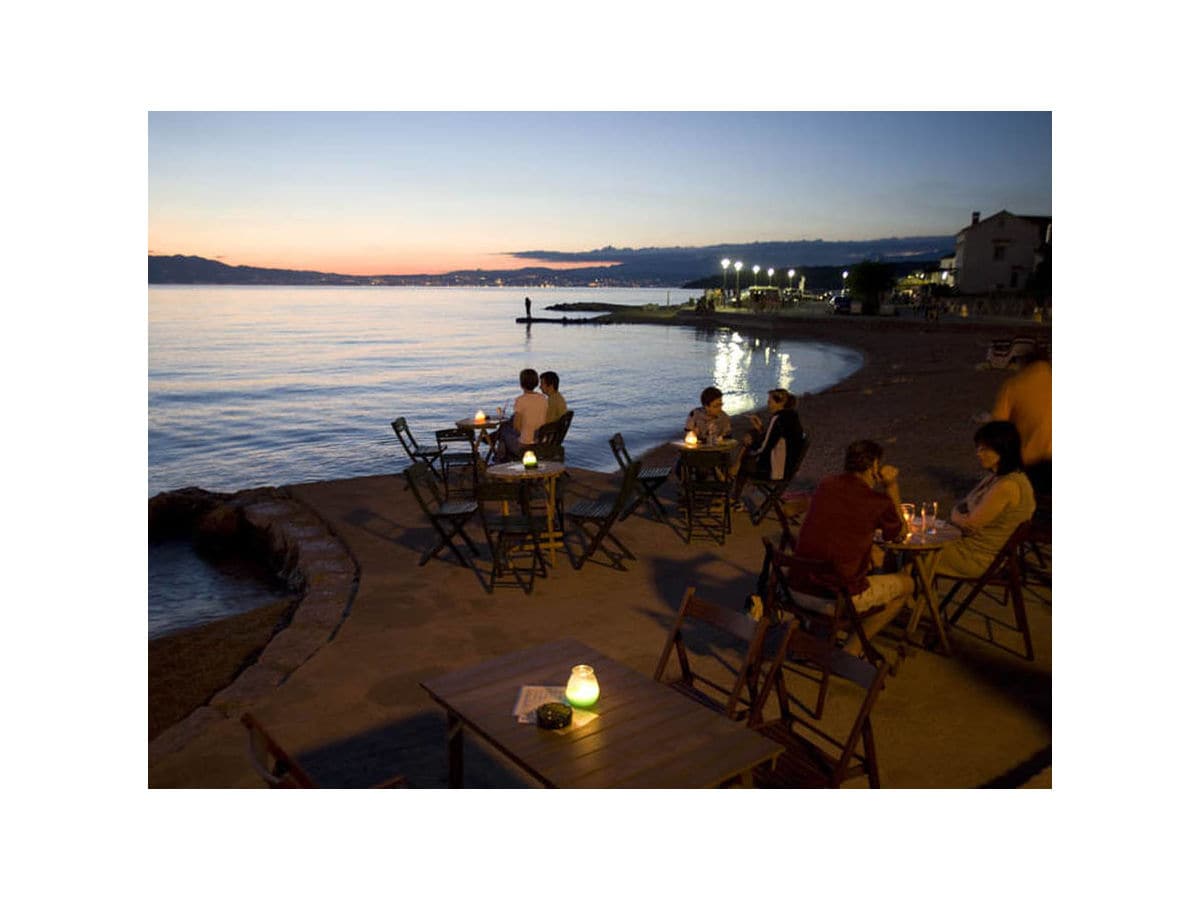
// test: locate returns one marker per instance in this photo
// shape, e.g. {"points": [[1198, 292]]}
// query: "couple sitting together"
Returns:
{"points": [[846, 510], [531, 411], [767, 453]]}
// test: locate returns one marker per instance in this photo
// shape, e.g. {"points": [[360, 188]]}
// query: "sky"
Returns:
{"points": [[373, 193]]}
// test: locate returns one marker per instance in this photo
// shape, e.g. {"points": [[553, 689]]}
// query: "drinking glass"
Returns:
{"points": [[909, 511], [929, 511]]}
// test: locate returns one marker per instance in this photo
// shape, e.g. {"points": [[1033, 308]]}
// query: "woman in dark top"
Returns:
{"points": [[771, 453]]}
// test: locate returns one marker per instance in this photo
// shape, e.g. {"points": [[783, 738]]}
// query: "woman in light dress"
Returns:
{"points": [[989, 514]]}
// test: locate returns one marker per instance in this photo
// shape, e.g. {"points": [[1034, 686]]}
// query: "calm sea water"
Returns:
{"points": [[254, 386]]}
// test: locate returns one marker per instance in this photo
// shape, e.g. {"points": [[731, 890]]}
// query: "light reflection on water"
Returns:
{"points": [[278, 385]]}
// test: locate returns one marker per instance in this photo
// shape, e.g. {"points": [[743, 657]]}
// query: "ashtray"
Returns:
{"points": [[553, 715]]}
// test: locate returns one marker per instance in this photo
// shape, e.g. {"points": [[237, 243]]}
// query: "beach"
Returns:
{"points": [[351, 706]]}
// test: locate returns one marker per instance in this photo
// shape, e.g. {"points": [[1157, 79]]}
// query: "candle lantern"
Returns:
{"points": [[582, 688], [529, 460], [690, 439], [480, 417]]}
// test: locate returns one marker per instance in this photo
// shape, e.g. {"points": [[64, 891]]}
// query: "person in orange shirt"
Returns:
{"points": [[1024, 400]]}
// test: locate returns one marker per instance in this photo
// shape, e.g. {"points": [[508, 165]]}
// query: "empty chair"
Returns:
{"points": [[772, 490], [548, 439], [595, 519], [418, 453], [278, 769], [733, 699], [813, 757], [458, 460], [509, 528], [1004, 572], [707, 491], [649, 480], [448, 517]]}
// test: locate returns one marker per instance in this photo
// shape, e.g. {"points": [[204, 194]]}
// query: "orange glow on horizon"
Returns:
{"points": [[356, 264]]}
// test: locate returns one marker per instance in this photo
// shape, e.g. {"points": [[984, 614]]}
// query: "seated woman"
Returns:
{"points": [[769, 454], [993, 509]]}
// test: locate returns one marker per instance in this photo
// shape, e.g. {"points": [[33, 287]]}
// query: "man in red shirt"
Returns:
{"points": [[839, 527]]}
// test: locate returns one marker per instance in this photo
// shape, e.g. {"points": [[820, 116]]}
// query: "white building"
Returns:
{"points": [[999, 253]]}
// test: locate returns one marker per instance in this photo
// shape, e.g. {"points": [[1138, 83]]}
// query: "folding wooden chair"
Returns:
{"points": [[448, 517], [814, 757], [595, 519], [278, 769], [649, 480], [509, 528], [707, 491], [772, 490], [1037, 544], [459, 457], [1004, 572], [417, 452], [821, 605], [734, 701]]}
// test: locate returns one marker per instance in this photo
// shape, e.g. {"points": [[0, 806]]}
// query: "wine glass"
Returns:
{"points": [[929, 511]]}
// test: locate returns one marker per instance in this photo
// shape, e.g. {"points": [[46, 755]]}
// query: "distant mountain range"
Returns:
{"points": [[610, 266]]}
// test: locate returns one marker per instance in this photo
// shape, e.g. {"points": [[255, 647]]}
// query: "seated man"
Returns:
{"points": [[556, 404], [529, 414], [842, 517], [709, 420]]}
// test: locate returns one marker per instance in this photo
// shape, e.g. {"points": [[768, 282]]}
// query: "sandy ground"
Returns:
{"points": [[355, 713]]}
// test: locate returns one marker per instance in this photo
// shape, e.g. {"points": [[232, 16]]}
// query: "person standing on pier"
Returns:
{"points": [[528, 310]]}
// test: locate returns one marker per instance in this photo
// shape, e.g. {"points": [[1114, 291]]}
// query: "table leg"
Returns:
{"points": [[454, 749], [926, 595], [550, 516]]}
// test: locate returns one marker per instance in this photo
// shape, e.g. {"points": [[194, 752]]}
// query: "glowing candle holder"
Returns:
{"points": [[583, 689], [529, 460], [480, 417], [691, 440]]}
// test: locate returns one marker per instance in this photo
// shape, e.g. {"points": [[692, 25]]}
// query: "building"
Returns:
{"points": [[999, 253]]}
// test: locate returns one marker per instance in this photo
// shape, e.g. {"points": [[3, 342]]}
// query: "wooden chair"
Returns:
{"points": [[417, 452], [278, 769], [1004, 572], [548, 439], [595, 519], [814, 757], [509, 526], [772, 490], [649, 480], [736, 700], [707, 491], [458, 456], [1037, 544], [822, 605], [448, 517]]}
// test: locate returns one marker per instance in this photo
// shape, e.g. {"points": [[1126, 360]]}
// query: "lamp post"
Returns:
{"points": [[770, 275], [737, 280], [756, 268], [791, 275], [724, 277], [844, 274]]}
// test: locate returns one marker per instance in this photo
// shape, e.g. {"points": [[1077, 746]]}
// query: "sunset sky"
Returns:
{"points": [[406, 193]]}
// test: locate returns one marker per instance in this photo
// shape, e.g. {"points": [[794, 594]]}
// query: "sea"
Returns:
{"points": [[252, 386]]}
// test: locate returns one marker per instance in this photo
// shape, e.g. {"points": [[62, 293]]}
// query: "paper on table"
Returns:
{"points": [[531, 696]]}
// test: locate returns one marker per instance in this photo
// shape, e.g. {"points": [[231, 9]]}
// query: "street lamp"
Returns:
{"points": [[791, 275], [844, 274], [737, 280], [756, 268], [724, 276], [770, 275]]}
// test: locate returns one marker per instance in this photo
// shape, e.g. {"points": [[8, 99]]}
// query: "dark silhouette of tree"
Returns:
{"points": [[870, 282]]}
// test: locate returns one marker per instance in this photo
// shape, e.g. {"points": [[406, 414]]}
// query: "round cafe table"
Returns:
{"points": [[547, 473], [925, 550], [478, 429]]}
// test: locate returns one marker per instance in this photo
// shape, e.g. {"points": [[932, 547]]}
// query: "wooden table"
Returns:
{"points": [[644, 735], [925, 550], [546, 472], [478, 429]]}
